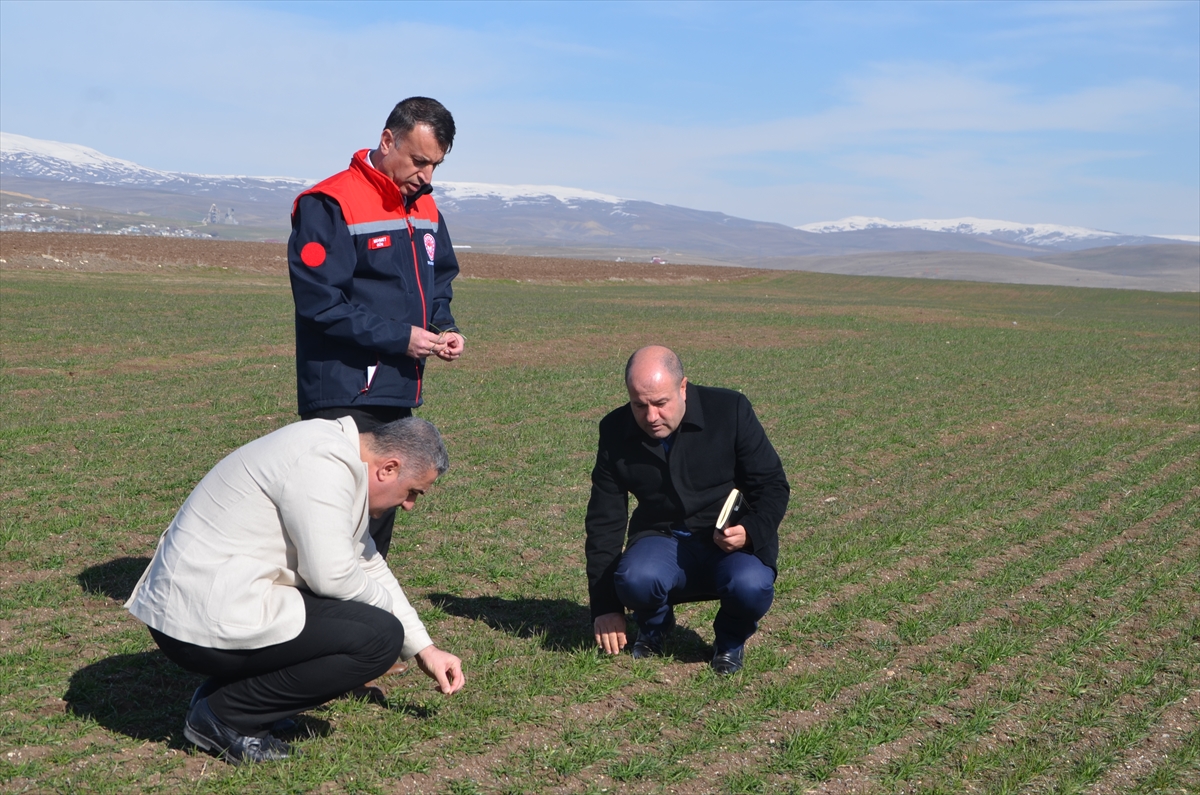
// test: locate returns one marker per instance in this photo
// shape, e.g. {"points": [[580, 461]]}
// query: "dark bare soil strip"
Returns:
{"points": [[846, 699], [667, 739], [910, 658], [1115, 620], [944, 540], [1014, 542], [1178, 724], [920, 703], [1011, 688], [825, 660], [134, 254]]}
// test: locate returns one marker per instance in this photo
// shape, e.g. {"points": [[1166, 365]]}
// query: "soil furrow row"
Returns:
{"points": [[773, 731], [988, 688]]}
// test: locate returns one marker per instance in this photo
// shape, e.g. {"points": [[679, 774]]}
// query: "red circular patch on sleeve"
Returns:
{"points": [[313, 254]]}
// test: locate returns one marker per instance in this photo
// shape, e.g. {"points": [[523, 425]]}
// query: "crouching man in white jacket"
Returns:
{"points": [[268, 582]]}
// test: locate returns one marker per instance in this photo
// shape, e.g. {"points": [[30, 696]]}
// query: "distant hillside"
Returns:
{"points": [[1054, 236], [1161, 268], [50, 186], [1156, 260]]}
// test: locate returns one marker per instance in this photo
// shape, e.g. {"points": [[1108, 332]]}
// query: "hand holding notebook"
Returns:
{"points": [[730, 538]]}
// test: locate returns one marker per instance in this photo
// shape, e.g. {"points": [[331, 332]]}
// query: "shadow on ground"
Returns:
{"points": [[561, 624], [143, 696], [114, 579]]}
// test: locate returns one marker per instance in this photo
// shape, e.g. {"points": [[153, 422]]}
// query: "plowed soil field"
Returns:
{"points": [[63, 251]]}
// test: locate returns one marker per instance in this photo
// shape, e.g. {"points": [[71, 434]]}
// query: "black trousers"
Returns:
{"points": [[343, 645], [368, 418]]}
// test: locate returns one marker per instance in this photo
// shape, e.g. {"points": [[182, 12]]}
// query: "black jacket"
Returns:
{"points": [[719, 444]]}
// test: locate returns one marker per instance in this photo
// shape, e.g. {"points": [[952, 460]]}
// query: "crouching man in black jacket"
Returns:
{"points": [[680, 449]]}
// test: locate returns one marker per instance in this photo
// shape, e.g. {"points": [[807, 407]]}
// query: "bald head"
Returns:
{"points": [[654, 362], [657, 390]]}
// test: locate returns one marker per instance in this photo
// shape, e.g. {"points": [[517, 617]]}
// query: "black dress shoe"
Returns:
{"points": [[209, 732], [649, 642], [647, 645], [281, 726], [728, 662], [284, 726]]}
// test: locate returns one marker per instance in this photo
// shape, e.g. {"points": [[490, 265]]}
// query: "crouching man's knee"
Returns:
{"points": [[750, 588], [378, 641], [640, 587]]}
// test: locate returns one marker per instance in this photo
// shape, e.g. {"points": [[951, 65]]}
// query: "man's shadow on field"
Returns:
{"points": [[561, 624], [143, 695], [114, 579]]}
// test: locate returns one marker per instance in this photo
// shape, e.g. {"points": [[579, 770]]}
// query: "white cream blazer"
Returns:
{"points": [[286, 511]]}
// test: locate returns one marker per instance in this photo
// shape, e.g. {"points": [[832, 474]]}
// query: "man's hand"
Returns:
{"points": [[610, 632], [451, 347], [422, 344], [731, 539], [443, 667]]}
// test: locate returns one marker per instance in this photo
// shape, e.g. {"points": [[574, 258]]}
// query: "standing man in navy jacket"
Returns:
{"points": [[679, 449], [371, 265]]}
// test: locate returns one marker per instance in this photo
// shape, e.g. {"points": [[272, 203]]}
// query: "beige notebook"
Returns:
{"points": [[732, 503]]}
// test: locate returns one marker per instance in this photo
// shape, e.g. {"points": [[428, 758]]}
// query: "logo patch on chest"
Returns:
{"points": [[430, 246], [383, 241]]}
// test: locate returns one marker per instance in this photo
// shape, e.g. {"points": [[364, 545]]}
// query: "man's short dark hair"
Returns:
{"points": [[410, 112], [669, 361], [414, 441]]}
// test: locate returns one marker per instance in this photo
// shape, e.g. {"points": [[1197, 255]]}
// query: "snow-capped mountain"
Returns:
{"points": [[515, 218], [518, 194], [1041, 235], [31, 158]]}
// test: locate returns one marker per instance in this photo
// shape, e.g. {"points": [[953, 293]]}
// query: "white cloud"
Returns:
{"points": [[225, 88], [926, 99]]}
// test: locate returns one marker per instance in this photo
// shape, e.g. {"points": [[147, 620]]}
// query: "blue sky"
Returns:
{"points": [[1074, 113]]}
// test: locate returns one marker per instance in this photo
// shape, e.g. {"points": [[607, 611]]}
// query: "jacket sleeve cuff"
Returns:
{"points": [[605, 603], [414, 642], [756, 537]]}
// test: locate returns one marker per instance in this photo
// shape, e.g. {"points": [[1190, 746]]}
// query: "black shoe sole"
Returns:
{"points": [[200, 741]]}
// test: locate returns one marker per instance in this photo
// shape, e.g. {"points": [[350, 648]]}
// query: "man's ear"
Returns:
{"points": [[390, 468], [683, 387], [387, 140]]}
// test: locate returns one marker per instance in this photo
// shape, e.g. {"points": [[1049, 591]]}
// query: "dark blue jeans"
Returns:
{"points": [[660, 571]]}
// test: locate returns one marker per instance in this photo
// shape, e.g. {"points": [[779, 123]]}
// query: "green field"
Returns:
{"points": [[989, 571]]}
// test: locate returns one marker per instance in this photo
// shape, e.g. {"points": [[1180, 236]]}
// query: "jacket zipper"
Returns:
{"points": [[412, 239]]}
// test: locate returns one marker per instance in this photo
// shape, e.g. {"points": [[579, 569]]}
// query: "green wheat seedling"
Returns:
{"points": [[988, 575]]}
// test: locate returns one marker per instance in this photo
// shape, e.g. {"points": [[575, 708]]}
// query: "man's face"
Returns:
{"points": [[398, 488], [409, 161], [658, 403]]}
